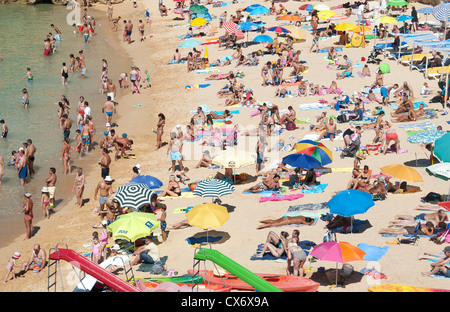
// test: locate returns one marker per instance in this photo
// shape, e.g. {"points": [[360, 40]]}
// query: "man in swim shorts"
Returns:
{"points": [[51, 185], [110, 90], [330, 130], [105, 188], [38, 258], [22, 168], [128, 30], [385, 91]]}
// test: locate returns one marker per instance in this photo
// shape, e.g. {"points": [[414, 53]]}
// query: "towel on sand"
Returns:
{"points": [[308, 207], [280, 197], [373, 253]]}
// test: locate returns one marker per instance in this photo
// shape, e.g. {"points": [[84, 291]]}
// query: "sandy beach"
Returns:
{"points": [[239, 236]]}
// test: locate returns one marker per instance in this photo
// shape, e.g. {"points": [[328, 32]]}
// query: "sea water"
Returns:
{"points": [[24, 28]]}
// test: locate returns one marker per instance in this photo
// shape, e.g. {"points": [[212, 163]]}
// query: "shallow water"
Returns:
{"points": [[22, 47]]}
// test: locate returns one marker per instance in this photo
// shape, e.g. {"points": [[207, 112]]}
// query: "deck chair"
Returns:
{"points": [[436, 72], [411, 239]]}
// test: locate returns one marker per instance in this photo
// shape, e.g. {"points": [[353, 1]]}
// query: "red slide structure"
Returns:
{"points": [[87, 266]]}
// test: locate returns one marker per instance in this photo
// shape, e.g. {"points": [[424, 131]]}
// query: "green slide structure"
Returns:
{"points": [[236, 269]]}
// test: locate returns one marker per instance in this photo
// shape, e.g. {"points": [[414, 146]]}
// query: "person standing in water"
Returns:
{"points": [[29, 76], [65, 156], [64, 74], [31, 152], [58, 32], [25, 98]]}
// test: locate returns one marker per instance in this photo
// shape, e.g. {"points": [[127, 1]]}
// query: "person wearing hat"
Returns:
{"points": [[45, 202], [28, 215], [10, 266], [105, 189], [440, 266]]}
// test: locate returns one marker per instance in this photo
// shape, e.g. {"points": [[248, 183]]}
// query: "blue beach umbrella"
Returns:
{"points": [[252, 7], [151, 182], [189, 43], [262, 39], [247, 26], [403, 18], [426, 10], [442, 12], [259, 10], [351, 202], [301, 161]]}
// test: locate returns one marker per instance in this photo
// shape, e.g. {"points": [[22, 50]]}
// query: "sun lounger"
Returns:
{"points": [[436, 72], [407, 59]]}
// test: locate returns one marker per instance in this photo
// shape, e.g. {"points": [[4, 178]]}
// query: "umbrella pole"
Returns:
{"points": [[426, 64], [446, 90], [412, 58], [336, 274]]}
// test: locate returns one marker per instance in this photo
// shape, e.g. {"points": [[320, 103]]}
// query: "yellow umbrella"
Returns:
{"points": [[402, 172], [360, 29], [326, 14], [199, 21], [345, 26], [207, 216], [296, 32], [386, 20]]}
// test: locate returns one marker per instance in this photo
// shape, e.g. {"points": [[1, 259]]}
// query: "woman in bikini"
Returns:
{"points": [[160, 130], [361, 181], [25, 98], [79, 187], [45, 202], [314, 22], [277, 245], [173, 189]]}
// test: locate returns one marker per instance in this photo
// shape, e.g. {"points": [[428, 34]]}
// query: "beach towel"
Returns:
{"points": [[326, 50], [319, 188], [373, 253], [315, 137], [313, 106], [415, 104], [266, 193], [308, 207], [289, 197]]}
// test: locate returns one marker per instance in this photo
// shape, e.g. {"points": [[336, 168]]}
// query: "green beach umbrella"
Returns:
{"points": [[198, 9], [442, 148], [397, 3], [385, 68]]}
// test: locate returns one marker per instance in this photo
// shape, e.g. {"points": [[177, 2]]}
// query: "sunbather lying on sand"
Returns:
{"points": [[438, 218], [426, 229], [285, 220], [267, 184]]}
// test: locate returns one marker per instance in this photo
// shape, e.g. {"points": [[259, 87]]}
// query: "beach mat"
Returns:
{"points": [[280, 198], [308, 207], [373, 253], [326, 50], [319, 188]]}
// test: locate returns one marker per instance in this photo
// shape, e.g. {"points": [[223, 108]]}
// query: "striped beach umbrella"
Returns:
{"points": [[316, 150], [337, 17], [232, 29], [213, 188], [133, 195], [279, 30], [306, 7], [442, 12]]}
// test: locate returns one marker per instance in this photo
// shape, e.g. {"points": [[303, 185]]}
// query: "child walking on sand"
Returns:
{"points": [[10, 266]]}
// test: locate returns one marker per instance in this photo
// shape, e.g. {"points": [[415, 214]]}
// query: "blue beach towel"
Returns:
{"points": [[320, 188]]}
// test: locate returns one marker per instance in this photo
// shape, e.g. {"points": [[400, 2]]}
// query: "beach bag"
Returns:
{"points": [[431, 197], [329, 236], [341, 118], [157, 268]]}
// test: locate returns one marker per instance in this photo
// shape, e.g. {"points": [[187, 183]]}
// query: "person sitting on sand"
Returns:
{"points": [[441, 265], [321, 120], [277, 245], [361, 181], [205, 161], [330, 131], [227, 176], [267, 184], [285, 220], [289, 116], [410, 116], [365, 71], [425, 229], [173, 188]]}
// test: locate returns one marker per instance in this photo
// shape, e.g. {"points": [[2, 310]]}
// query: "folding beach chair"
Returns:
{"points": [[411, 239], [231, 139]]}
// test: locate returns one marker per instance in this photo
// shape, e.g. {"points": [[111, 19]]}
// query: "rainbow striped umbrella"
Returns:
{"points": [[316, 150]]}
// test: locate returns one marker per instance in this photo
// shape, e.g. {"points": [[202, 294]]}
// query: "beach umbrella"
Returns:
{"points": [[134, 225], [151, 182], [290, 18], [339, 252], [397, 3], [133, 195], [326, 14], [345, 26], [306, 7], [247, 26], [207, 216], [386, 20], [426, 136], [440, 170], [189, 43], [263, 39], [259, 10], [198, 9], [442, 13], [232, 158], [301, 161], [279, 30], [316, 150], [296, 32], [350, 202], [425, 10], [337, 17], [360, 29], [321, 7], [442, 148], [402, 172], [252, 7], [213, 188], [404, 17], [199, 21], [231, 27]]}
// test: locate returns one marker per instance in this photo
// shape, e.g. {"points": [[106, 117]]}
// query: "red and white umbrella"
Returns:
{"points": [[231, 28]]}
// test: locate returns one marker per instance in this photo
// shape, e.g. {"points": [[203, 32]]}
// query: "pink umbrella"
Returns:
{"points": [[339, 252]]}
